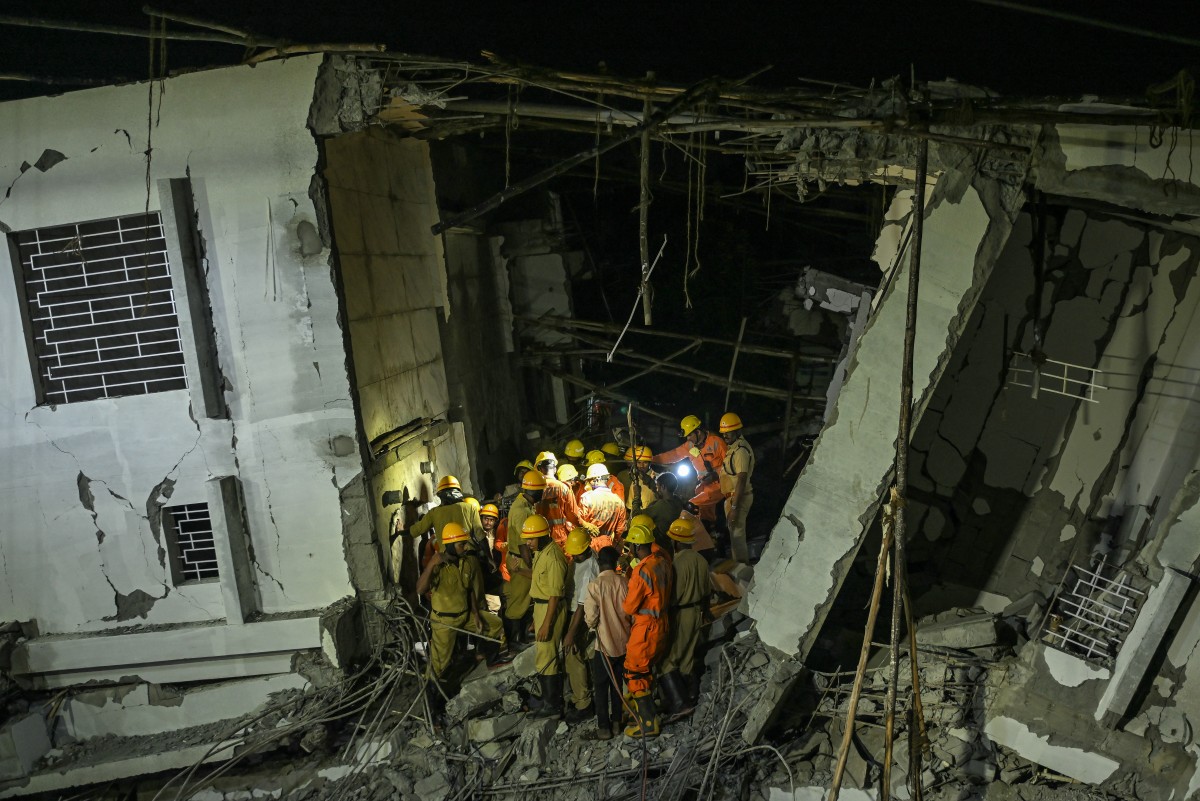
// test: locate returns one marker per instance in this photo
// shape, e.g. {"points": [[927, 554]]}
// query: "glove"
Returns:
{"points": [[695, 452]]}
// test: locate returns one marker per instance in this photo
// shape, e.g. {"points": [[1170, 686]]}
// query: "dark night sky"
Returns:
{"points": [[850, 40]]}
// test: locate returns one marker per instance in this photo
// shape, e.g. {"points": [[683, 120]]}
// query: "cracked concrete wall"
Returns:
{"points": [[80, 484], [1009, 489], [836, 497]]}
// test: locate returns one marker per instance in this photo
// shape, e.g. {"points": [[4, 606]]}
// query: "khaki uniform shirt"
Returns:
{"points": [[520, 510], [437, 518], [692, 584], [738, 459], [449, 586], [549, 573]]}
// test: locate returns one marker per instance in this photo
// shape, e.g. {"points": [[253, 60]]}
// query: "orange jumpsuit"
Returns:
{"points": [[708, 491], [616, 486], [647, 602], [604, 510], [560, 510]]}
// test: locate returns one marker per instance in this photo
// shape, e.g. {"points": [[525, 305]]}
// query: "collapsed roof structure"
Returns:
{"points": [[310, 242]]}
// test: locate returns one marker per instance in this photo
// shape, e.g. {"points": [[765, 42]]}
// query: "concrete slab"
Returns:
{"points": [[1074, 762]]}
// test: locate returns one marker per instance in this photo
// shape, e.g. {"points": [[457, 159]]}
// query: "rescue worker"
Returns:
{"points": [[569, 475], [614, 484], [636, 464], [602, 508], [646, 603], [691, 587], [629, 557], [449, 581], [574, 451], [576, 647], [519, 560], [736, 473], [547, 588], [604, 614], [666, 507], [493, 546], [705, 451], [513, 490], [558, 503], [450, 510]]}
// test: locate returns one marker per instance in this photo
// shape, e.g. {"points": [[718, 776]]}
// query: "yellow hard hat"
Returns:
{"points": [[597, 471], [534, 526], [545, 456], [682, 531], [577, 542], [611, 448], [533, 480], [643, 520], [639, 535], [452, 533], [574, 449], [642, 454], [730, 422], [595, 457], [689, 424], [448, 482], [472, 502], [567, 472], [524, 464], [489, 510]]}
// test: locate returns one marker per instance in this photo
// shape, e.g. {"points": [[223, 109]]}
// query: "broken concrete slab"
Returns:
{"points": [[525, 663], [484, 730], [535, 740], [24, 740], [473, 699], [959, 631], [1074, 762]]}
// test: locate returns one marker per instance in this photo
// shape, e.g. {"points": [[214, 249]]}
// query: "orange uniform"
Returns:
{"points": [[604, 510], [501, 546], [708, 491], [647, 602], [616, 486], [560, 510]]}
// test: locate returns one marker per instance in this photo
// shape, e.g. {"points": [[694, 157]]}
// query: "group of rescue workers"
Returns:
{"points": [[611, 570]]}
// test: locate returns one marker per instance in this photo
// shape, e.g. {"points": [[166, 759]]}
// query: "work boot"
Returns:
{"points": [[673, 692], [692, 689], [646, 723], [576, 715], [552, 697]]}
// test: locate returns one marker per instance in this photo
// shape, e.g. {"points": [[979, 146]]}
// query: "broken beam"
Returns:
{"points": [[692, 95], [599, 390]]}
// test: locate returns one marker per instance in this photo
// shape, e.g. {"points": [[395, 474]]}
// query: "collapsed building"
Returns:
{"points": [[237, 359]]}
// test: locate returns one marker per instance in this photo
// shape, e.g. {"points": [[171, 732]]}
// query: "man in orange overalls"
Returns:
{"points": [[706, 453], [602, 508], [558, 502], [646, 603]]}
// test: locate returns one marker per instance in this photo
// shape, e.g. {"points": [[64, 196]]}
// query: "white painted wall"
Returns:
{"points": [[241, 133]]}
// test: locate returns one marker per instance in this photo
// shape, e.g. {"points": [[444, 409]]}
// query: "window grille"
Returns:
{"points": [[100, 309], [190, 535], [1092, 613], [1058, 378]]}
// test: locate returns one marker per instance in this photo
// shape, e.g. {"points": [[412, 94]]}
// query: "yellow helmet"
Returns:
{"points": [[448, 482], [611, 448], [533, 480], [642, 454], [567, 472], [489, 510], [597, 470], [472, 502], [730, 422], [595, 457], [689, 424], [524, 464], [574, 449], [682, 531], [452, 533], [534, 526], [545, 456], [577, 542], [643, 520], [639, 535]]}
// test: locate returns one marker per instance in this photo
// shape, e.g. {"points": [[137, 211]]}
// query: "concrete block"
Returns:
{"points": [[967, 631], [533, 747], [474, 699], [525, 663], [23, 741], [485, 730], [784, 673], [1074, 762], [432, 788]]}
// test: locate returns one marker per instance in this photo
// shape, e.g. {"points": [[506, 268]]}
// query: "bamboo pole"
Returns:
{"points": [[644, 210], [692, 95], [900, 491], [599, 390], [686, 348], [140, 33], [737, 348]]}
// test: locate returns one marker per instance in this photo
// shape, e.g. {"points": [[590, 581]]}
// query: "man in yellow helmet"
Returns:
{"points": [[601, 507], [636, 472], [646, 603], [452, 509], [548, 586], [519, 560], [448, 578], [705, 452], [691, 587], [574, 452], [577, 650], [736, 473], [558, 503], [614, 484]]}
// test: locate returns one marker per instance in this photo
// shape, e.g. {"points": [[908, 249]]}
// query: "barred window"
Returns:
{"points": [[100, 310], [190, 542]]}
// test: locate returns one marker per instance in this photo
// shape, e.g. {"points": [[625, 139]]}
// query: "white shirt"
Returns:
{"points": [[584, 573]]}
